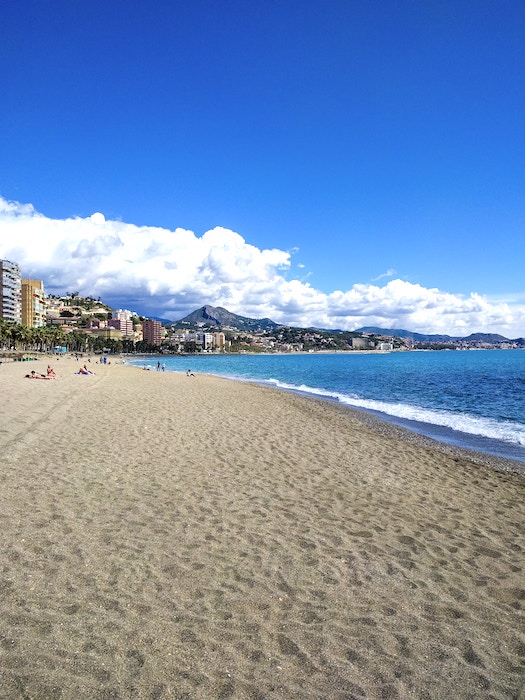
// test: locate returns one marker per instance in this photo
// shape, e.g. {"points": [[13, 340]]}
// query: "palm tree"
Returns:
{"points": [[6, 332], [20, 336], [55, 336]]}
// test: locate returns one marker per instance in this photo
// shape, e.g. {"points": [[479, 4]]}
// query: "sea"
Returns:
{"points": [[473, 399]]}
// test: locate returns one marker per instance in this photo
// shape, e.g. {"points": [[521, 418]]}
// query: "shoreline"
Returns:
{"points": [[388, 427], [169, 536], [372, 419], [401, 427]]}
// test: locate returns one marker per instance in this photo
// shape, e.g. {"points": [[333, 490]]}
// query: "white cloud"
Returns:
{"points": [[389, 273], [160, 272]]}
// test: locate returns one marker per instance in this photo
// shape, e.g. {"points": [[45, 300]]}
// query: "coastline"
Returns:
{"points": [[480, 441], [384, 425], [169, 536], [482, 459]]}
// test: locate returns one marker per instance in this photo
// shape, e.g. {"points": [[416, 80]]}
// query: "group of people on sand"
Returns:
{"points": [[51, 374]]}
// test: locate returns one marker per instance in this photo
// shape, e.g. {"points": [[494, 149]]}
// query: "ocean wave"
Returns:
{"points": [[505, 431]]}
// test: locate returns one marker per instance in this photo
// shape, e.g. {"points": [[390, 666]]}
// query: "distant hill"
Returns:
{"points": [[433, 338], [221, 318], [487, 337], [401, 333], [217, 316]]}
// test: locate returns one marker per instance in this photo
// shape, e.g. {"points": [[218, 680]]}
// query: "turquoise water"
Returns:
{"points": [[473, 399]]}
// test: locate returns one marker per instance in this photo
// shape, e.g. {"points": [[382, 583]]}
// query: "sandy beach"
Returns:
{"points": [[165, 536]]}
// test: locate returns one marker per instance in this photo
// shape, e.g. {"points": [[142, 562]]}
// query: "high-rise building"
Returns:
{"points": [[33, 303], [125, 327], [10, 291], [219, 340], [152, 331]]}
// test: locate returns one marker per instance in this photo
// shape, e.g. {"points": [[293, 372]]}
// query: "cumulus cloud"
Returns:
{"points": [[160, 272]]}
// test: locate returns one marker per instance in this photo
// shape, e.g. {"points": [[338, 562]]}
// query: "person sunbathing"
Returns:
{"points": [[51, 372], [35, 375]]}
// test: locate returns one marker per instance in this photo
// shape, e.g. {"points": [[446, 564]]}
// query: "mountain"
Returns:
{"points": [[218, 317], [221, 318], [486, 337], [401, 333], [433, 338]]}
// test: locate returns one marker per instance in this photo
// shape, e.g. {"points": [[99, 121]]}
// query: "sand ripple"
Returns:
{"points": [[172, 537]]}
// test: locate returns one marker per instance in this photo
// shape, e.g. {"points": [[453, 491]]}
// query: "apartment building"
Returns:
{"points": [[219, 340], [152, 331], [33, 303], [10, 291], [125, 327]]}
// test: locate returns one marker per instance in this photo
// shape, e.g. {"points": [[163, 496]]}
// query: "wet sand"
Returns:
{"points": [[165, 536]]}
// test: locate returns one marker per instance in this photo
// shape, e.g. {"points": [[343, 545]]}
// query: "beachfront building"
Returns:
{"points": [[203, 341], [212, 341], [10, 292], [33, 303], [219, 341], [206, 340], [125, 327], [103, 332], [152, 331]]}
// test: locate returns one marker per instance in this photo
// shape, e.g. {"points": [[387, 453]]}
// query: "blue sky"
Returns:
{"points": [[379, 146]]}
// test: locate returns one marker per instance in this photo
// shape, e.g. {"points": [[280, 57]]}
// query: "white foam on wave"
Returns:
{"points": [[505, 431]]}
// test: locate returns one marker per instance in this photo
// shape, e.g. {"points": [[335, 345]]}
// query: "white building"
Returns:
{"points": [[10, 291], [123, 315]]}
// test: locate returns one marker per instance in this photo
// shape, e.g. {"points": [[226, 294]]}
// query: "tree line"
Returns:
{"points": [[16, 337]]}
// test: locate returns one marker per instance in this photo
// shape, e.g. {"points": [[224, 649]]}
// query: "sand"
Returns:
{"points": [[165, 536]]}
